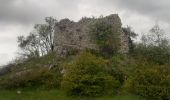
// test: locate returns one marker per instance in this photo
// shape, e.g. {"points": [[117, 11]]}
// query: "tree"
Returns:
{"points": [[155, 37], [154, 46], [46, 33], [29, 45], [40, 41], [128, 30]]}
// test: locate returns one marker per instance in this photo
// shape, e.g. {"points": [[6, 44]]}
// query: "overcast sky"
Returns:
{"points": [[17, 17]]}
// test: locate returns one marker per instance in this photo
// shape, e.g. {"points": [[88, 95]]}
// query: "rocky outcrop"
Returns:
{"points": [[76, 35]]}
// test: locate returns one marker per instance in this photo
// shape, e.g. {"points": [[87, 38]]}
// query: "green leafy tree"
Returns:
{"points": [[87, 75]]}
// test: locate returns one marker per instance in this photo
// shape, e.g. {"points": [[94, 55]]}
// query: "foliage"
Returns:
{"points": [[31, 78], [40, 41], [116, 67], [29, 45], [123, 66], [55, 94], [145, 71], [39, 72], [87, 75], [108, 41], [128, 31], [154, 54], [49, 60], [152, 83], [155, 37], [154, 47]]}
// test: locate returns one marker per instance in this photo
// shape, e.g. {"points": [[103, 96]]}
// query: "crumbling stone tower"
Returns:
{"points": [[75, 35]]}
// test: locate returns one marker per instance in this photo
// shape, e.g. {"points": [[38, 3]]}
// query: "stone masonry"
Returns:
{"points": [[75, 35]]}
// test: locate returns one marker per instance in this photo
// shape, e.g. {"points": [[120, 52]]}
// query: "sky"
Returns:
{"points": [[17, 17]]}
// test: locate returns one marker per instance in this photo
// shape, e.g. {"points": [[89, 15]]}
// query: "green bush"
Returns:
{"points": [[105, 37], [116, 69], [87, 75], [34, 72], [152, 83], [31, 78], [49, 59], [154, 54], [122, 67]]}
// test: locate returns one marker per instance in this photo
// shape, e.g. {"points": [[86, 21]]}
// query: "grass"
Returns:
{"points": [[53, 95]]}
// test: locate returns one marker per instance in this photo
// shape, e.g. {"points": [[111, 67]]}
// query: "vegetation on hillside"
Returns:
{"points": [[144, 72]]}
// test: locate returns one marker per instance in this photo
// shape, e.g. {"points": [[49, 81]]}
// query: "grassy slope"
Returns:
{"points": [[52, 95]]}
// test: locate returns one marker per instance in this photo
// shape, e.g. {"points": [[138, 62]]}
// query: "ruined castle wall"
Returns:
{"points": [[76, 35]]}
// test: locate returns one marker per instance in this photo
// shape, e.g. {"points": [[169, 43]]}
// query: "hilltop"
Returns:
{"points": [[93, 58]]}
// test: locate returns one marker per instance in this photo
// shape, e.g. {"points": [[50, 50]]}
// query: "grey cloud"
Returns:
{"points": [[33, 11], [4, 58], [157, 9], [13, 11], [7, 40]]}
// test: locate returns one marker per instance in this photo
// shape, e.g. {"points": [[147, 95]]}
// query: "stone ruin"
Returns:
{"points": [[75, 35]]}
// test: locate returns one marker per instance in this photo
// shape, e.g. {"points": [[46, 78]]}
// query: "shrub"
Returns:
{"points": [[107, 40], [154, 54], [152, 83], [49, 59], [116, 67], [31, 78], [122, 67], [87, 75], [34, 72]]}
